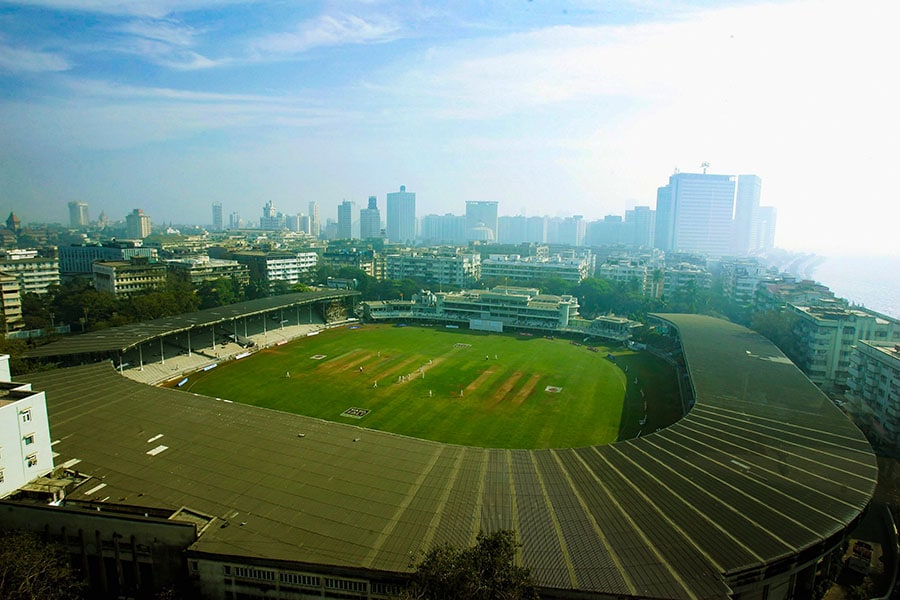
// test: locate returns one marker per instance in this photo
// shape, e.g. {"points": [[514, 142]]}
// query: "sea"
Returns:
{"points": [[873, 282]]}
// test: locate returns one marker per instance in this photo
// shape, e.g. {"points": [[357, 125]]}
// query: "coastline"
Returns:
{"points": [[869, 281]]}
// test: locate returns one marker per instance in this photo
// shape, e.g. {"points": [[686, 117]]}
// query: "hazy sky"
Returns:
{"points": [[550, 107]]}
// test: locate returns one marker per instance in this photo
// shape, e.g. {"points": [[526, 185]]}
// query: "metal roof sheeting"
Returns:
{"points": [[763, 467], [120, 339]]}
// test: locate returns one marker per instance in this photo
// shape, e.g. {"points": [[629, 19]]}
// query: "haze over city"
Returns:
{"points": [[553, 108]]}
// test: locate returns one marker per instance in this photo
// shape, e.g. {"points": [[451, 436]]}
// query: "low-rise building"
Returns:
{"points": [[514, 267], [199, 269], [648, 276], [365, 259], [128, 277], [825, 336], [874, 390], [35, 273], [777, 294], [448, 267], [501, 308]]}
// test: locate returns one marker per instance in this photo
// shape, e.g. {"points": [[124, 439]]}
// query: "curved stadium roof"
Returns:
{"points": [[762, 470]]}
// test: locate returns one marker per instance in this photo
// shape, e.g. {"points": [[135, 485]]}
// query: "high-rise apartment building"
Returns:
{"points": [[370, 220], [639, 226], [345, 220], [765, 229], [78, 215], [137, 225], [315, 226], [696, 212], [401, 216], [481, 213], [234, 221], [443, 229], [610, 231], [746, 214], [218, 222]]}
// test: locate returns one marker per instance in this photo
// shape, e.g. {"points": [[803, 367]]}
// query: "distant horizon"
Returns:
{"points": [[548, 108]]}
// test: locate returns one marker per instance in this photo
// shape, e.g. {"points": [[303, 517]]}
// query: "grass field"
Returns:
{"points": [[448, 385]]}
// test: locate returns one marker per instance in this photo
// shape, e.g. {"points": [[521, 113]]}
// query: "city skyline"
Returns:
{"points": [[547, 109]]}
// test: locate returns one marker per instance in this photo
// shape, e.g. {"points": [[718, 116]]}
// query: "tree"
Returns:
{"points": [[595, 295], [486, 571], [219, 292], [31, 569]]}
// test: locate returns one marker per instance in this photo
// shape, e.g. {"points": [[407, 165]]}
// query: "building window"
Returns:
{"points": [[29, 439], [31, 460], [26, 415]]}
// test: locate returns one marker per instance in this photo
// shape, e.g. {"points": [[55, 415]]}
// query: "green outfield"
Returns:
{"points": [[453, 385]]}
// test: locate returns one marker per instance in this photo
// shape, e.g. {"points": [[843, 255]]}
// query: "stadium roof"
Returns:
{"points": [[764, 468], [120, 339]]}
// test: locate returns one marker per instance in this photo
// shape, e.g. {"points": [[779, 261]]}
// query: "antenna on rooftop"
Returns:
{"points": [[705, 165]]}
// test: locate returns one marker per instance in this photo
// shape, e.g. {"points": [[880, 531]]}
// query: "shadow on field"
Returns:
{"points": [[652, 399]]}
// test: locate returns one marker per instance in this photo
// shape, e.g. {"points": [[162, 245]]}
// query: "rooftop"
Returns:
{"points": [[763, 468], [119, 339]]}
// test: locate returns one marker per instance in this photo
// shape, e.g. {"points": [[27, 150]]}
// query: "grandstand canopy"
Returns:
{"points": [[764, 474], [120, 339]]}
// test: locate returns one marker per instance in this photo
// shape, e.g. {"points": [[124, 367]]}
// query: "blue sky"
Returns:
{"points": [[556, 108]]}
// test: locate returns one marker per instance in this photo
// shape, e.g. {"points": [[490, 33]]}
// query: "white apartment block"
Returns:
{"points": [[291, 267], [874, 390], [283, 268], [25, 452], [455, 268], [741, 280], [648, 277], [35, 273], [825, 336], [685, 275], [307, 262], [513, 267]]}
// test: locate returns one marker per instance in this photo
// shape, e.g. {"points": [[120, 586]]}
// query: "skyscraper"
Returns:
{"points": [[746, 214], [345, 220], [401, 216], [234, 221], [218, 223], [137, 224], [639, 226], [481, 212], [271, 219], [315, 227], [78, 215], [765, 229], [370, 220], [695, 212]]}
